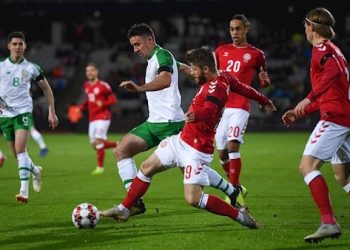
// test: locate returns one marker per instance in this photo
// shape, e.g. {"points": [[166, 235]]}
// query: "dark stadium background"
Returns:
{"points": [[63, 36]]}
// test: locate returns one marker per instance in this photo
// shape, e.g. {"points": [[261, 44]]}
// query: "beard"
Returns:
{"points": [[201, 79]]}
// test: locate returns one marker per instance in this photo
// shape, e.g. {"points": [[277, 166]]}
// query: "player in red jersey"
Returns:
{"points": [[242, 60], [192, 149], [99, 97], [331, 95]]}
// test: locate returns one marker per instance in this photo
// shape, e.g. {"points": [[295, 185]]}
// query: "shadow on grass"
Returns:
{"points": [[108, 233]]}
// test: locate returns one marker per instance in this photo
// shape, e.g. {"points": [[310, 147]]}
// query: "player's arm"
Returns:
{"points": [[305, 107], [264, 79], [45, 87], [249, 92], [84, 104], [184, 69], [210, 107], [161, 81], [329, 76], [290, 116], [109, 98]]}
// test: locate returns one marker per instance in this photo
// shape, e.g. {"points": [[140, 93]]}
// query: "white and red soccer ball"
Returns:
{"points": [[2, 158], [85, 215]]}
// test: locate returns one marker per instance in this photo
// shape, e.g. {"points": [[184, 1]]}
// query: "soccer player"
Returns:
{"points": [[99, 97], [166, 116], [330, 94], [242, 60], [16, 106], [192, 149], [39, 139]]}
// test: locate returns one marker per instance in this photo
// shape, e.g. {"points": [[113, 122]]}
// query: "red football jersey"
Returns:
{"points": [[100, 91], [330, 83], [241, 62], [200, 134]]}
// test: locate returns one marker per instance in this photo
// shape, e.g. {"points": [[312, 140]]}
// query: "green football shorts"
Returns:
{"points": [[154, 133], [9, 125]]}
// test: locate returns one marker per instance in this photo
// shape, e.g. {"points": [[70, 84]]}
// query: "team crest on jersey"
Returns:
{"points": [[96, 91], [25, 75], [247, 57], [163, 144]]}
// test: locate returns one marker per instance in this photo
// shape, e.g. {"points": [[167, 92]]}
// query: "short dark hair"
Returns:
{"points": [[201, 57], [140, 29], [242, 18], [16, 34]]}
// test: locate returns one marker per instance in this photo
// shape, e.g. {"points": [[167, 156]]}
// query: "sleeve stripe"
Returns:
{"points": [[213, 99], [165, 68]]}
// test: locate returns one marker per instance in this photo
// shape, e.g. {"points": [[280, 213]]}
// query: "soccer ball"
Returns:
{"points": [[85, 215], [2, 158]]}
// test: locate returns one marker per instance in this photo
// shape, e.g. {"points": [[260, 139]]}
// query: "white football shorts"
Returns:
{"points": [[98, 129], [232, 126], [173, 152], [326, 139], [343, 153]]}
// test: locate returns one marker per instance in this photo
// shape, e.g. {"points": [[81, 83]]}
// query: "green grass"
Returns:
{"points": [[277, 197]]}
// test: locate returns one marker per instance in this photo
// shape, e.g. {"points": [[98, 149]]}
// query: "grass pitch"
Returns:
{"points": [[277, 197]]}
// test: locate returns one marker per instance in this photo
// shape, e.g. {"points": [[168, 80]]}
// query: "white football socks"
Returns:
{"points": [[216, 181], [24, 167], [38, 138], [127, 171]]}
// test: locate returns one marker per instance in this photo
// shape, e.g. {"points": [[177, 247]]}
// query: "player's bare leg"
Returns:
{"points": [[342, 175]]}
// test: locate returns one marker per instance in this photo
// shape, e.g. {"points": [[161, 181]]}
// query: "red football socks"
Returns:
{"points": [[235, 170], [220, 207], [137, 189], [109, 144], [226, 168], [319, 191], [100, 157]]}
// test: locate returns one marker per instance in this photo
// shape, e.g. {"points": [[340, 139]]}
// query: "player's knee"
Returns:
{"points": [[148, 169], [223, 155], [233, 146], [340, 179]]}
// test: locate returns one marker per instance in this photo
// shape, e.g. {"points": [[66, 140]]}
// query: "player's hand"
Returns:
{"points": [[53, 121], [130, 85], [189, 117], [263, 77], [268, 107], [289, 117], [99, 103], [299, 110]]}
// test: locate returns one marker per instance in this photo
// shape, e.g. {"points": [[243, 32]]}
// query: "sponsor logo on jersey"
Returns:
{"points": [[226, 53]]}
